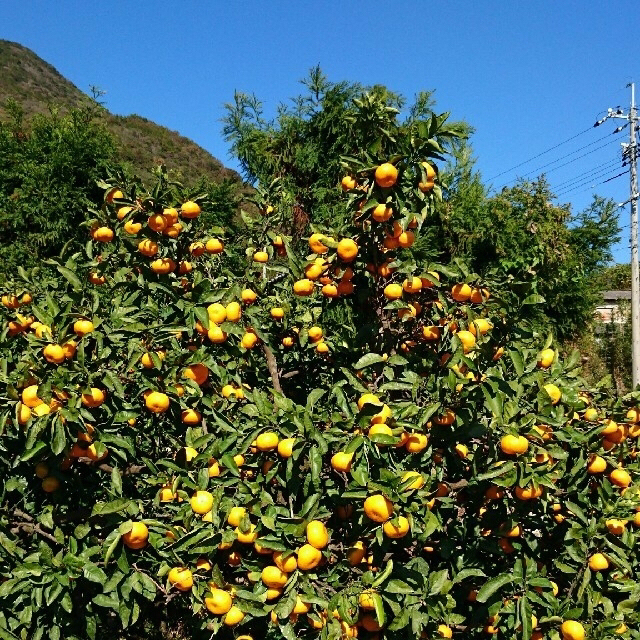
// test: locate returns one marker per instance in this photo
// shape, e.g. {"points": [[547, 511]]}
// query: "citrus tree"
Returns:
{"points": [[211, 436]]}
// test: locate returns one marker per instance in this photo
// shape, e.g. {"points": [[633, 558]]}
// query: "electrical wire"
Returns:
{"points": [[598, 173], [544, 166], [540, 154], [564, 183], [595, 185]]}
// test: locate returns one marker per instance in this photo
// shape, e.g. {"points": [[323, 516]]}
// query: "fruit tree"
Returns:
{"points": [[250, 437]]}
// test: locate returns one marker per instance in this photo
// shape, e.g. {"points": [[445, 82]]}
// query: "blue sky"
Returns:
{"points": [[526, 75]]}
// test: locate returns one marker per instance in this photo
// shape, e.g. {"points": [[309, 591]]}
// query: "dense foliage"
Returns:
{"points": [[517, 232], [48, 178], [254, 441]]}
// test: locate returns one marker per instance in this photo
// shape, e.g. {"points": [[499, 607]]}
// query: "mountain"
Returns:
{"points": [[36, 85]]}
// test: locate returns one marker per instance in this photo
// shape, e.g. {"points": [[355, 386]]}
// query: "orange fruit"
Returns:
{"points": [[316, 243], [514, 445], [308, 557], [398, 530], [317, 534], [157, 402], [103, 234], [347, 250], [620, 478], [148, 247], [218, 601], [545, 358], [94, 398], [598, 562], [190, 209], [137, 536], [386, 175], [157, 222], [196, 372], [54, 353], [303, 287], [82, 327], [393, 291], [461, 292], [201, 502], [341, 461], [347, 183], [382, 213], [181, 578], [572, 630], [378, 508]]}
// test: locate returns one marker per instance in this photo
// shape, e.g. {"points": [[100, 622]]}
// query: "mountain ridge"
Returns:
{"points": [[37, 86]]}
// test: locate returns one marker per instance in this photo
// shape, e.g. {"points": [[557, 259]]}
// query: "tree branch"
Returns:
{"points": [[273, 367], [30, 528]]}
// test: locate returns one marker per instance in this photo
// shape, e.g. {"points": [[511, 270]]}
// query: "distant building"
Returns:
{"points": [[614, 307]]}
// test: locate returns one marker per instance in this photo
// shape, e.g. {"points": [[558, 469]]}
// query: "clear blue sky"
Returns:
{"points": [[526, 75]]}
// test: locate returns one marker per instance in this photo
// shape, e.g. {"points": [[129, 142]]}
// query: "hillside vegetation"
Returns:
{"points": [[37, 86]]}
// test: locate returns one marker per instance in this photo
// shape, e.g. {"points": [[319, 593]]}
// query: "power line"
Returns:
{"points": [[544, 166], [540, 154], [624, 173], [582, 181], [589, 172]]}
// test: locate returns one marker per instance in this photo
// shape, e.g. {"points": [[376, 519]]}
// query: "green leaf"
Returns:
{"points": [[368, 359], [71, 277], [492, 585]]}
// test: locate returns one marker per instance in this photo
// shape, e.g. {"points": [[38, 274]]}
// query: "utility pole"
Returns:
{"points": [[630, 154]]}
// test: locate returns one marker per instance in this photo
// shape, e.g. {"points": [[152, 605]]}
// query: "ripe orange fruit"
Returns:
{"points": [[267, 441], [620, 478], [181, 578], [386, 175], [393, 291], [103, 234], [413, 285], [514, 445], [416, 442], [545, 358], [598, 562], [274, 577], [234, 616], [285, 447], [50, 484], [96, 278], [461, 292], [317, 534], [431, 333], [148, 247], [157, 222], [82, 327], [137, 536], [330, 290], [190, 210], [316, 243], [260, 256], [528, 493], [303, 287], [378, 508], [277, 313], [596, 464], [191, 416], [218, 601], [554, 393], [315, 334], [201, 502], [468, 340], [382, 213], [347, 183], [398, 530], [196, 372], [157, 402], [248, 296], [572, 630], [30, 396], [53, 353], [347, 250], [234, 312], [308, 557], [249, 340], [24, 414], [162, 266], [286, 564], [94, 398], [481, 326], [341, 461]]}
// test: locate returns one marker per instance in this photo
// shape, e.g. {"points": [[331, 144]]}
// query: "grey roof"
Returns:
{"points": [[619, 294]]}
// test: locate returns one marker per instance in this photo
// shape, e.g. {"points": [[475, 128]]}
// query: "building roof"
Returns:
{"points": [[616, 294]]}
